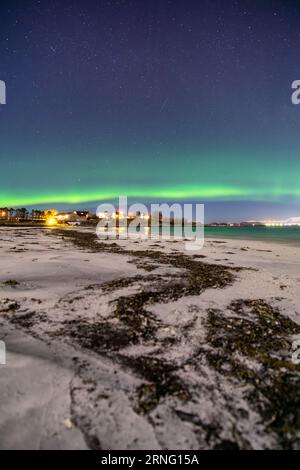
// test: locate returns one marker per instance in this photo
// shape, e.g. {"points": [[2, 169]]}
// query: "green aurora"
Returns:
{"points": [[172, 110], [199, 175], [178, 193]]}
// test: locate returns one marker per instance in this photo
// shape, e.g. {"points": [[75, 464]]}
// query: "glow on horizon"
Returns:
{"points": [[218, 193]]}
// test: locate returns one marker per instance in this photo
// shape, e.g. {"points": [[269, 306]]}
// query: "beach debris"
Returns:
{"points": [[11, 283], [68, 423]]}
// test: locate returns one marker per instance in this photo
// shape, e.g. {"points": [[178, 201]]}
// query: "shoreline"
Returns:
{"points": [[295, 242], [269, 241], [162, 238]]}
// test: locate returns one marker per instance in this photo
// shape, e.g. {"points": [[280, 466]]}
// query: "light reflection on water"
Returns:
{"points": [[175, 232]]}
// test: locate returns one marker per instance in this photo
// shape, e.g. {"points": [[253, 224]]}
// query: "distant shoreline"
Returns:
{"points": [[279, 235]]}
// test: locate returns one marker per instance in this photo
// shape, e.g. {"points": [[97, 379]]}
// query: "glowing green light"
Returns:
{"points": [[174, 193]]}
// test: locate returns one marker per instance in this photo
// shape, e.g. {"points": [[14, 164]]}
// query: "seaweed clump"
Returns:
{"points": [[161, 381], [259, 334], [100, 337]]}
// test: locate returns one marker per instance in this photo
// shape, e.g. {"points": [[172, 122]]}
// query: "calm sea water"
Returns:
{"points": [[290, 235]]}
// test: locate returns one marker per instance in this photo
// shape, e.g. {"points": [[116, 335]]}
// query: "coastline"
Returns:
{"points": [[285, 235], [166, 349]]}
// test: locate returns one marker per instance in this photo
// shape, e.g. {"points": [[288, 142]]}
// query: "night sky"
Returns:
{"points": [[156, 100]]}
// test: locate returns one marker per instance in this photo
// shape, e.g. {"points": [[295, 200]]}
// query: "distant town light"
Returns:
{"points": [[51, 222]]}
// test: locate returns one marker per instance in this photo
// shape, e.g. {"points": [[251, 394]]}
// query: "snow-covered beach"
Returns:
{"points": [[125, 344]]}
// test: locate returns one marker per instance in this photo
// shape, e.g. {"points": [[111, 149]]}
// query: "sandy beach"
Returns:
{"points": [[126, 344]]}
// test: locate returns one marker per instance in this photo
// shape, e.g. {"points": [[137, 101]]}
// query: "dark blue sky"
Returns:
{"points": [[154, 99]]}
